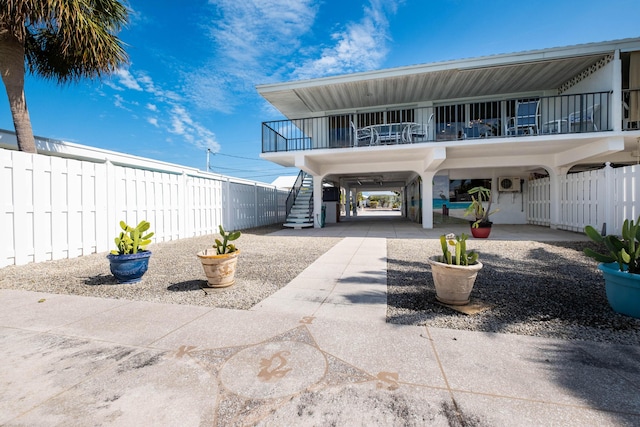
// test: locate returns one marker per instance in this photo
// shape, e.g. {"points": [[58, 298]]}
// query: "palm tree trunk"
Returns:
{"points": [[12, 70]]}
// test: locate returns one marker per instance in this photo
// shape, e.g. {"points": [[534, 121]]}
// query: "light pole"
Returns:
{"points": [[208, 152]]}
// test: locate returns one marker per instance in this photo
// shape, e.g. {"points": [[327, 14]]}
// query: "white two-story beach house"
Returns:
{"points": [[430, 131]]}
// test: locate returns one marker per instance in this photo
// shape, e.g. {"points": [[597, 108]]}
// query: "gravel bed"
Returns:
{"points": [[175, 274], [541, 289], [532, 288]]}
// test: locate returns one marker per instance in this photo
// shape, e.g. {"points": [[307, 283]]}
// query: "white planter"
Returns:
{"points": [[219, 269], [453, 282]]}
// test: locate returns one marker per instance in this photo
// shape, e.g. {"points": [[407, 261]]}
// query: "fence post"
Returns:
{"points": [[610, 194], [255, 204], [227, 205], [184, 209], [110, 187]]}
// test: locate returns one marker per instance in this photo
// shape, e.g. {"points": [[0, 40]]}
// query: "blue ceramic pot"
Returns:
{"points": [[129, 268], [623, 289]]}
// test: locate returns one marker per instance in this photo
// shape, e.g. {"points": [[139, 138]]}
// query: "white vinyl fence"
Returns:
{"points": [[54, 207], [605, 196]]}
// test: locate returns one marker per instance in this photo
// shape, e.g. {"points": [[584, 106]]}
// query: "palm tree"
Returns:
{"points": [[59, 40]]}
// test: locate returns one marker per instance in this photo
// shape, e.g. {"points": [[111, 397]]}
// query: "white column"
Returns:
{"points": [[427, 199], [317, 200], [555, 196], [347, 200], [354, 202], [616, 97]]}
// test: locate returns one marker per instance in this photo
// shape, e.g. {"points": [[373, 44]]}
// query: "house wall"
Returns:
{"points": [[600, 81], [605, 196], [54, 208]]}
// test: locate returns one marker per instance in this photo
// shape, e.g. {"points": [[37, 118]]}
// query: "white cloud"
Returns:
{"points": [[194, 133], [171, 116], [118, 101], [262, 41], [361, 46], [112, 85], [127, 80], [252, 39]]}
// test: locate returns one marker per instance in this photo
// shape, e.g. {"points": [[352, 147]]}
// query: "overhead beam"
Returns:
{"points": [[588, 151]]}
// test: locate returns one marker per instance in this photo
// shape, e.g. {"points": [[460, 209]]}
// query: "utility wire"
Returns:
{"points": [[237, 157]]}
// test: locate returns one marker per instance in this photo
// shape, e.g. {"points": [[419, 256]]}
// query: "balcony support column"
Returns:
{"points": [[317, 200], [427, 199], [616, 97], [555, 196]]}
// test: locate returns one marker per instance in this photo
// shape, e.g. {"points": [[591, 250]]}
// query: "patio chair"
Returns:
{"points": [[362, 134], [526, 119], [417, 130], [577, 120]]}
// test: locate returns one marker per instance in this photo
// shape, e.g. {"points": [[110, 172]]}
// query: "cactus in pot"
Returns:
{"points": [[219, 262], [620, 267], [223, 246], [460, 254], [130, 260], [131, 240], [625, 251], [454, 272]]}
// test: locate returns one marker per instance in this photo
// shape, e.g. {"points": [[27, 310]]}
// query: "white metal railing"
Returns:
{"points": [[603, 198], [54, 208]]}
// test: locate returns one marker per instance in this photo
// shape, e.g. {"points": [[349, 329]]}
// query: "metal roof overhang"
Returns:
{"points": [[532, 71]]}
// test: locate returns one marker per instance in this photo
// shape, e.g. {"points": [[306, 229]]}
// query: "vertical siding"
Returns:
{"points": [[605, 196], [54, 208]]}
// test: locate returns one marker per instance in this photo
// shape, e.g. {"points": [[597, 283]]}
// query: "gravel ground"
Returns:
{"points": [[175, 274], [532, 288]]}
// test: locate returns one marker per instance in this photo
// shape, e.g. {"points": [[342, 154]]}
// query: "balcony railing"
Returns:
{"points": [[631, 109], [534, 116]]}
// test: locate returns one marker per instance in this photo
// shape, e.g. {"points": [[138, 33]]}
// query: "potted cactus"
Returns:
{"points": [[455, 271], [219, 262], [620, 266], [130, 260], [481, 226]]}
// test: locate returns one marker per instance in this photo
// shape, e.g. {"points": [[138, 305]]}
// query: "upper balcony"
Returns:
{"points": [[533, 117]]}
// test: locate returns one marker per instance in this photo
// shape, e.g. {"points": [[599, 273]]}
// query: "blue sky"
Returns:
{"points": [[190, 84]]}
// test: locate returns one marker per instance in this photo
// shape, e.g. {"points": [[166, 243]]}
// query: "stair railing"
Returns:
{"points": [[310, 210], [293, 193]]}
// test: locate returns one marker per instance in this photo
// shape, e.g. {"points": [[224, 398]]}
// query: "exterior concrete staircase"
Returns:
{"points": [[301, 214]]}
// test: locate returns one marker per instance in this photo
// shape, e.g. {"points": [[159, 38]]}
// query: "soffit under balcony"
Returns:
{"points": [[524, 72], [429, 86]]}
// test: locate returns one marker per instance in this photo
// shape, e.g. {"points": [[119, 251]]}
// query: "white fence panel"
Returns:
{"points": [[205, 205], [627, 205], [54, 208], [50, 208], [602, 197], [539, 202], [580, 197]]}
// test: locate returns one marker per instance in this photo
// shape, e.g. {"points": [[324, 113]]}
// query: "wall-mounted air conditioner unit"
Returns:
{"points": [[509, 184]]}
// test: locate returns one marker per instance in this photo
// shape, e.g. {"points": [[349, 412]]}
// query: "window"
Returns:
{"points": [[458, 188]]}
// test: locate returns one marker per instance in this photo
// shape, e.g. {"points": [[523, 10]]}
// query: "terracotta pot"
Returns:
{"points": [[482, 231], [453, 282], [219, 269]]}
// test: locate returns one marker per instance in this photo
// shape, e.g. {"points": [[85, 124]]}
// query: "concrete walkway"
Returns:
{"points": [[318, 352]]}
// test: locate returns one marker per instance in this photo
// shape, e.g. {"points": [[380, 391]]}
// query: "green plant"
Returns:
{"points": [[131, 240], [477, 209], [223, 246], [625, 251], [459, 254]]}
